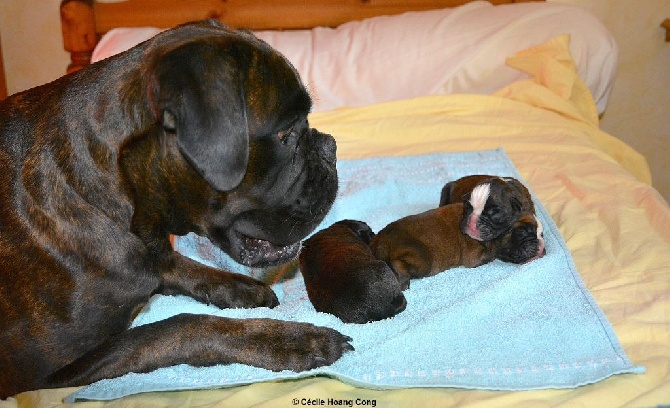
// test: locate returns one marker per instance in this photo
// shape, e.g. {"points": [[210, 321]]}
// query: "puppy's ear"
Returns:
{"points": [[521, 191], [360, 228], [445, 196], [199, 97]]}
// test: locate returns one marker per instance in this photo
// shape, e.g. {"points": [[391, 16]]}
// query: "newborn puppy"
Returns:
{"points": [[343, 278], [492, 204], [525, 242], [430, 242]]}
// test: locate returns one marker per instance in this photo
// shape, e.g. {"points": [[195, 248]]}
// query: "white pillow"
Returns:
{"points": [[455, 50]]}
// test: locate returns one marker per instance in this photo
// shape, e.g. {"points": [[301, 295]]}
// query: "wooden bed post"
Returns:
{"points": [[79, 36]]}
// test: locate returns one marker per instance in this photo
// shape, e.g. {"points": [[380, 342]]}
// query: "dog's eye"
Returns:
{"points": [[494, 213], [293, 132], [169, 122], [285, 135]]}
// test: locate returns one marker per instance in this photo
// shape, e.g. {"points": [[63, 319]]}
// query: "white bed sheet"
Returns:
{"points": [[455, 50]]}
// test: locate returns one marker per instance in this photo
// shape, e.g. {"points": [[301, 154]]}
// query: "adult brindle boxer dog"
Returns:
{"points": [[200, 129]]}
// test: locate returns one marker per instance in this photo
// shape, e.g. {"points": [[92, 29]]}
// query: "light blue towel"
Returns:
{"points": [[500, 326]]}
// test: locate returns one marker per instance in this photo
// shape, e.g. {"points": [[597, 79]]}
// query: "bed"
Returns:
{"points": [[475, 85]]}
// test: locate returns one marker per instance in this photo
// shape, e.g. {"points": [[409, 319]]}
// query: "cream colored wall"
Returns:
{"points": [[638, 112], [31, 42], [639, 108]]}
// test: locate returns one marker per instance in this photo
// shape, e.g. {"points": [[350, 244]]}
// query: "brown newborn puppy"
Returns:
{"points": [[430, 242], [499, 207], [343, 278], [492, 204]]}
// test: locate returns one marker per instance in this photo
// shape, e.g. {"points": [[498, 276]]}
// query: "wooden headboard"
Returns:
{"points": [[85, 21]]}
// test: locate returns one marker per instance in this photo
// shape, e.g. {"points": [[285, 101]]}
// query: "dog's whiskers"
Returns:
{"points": [[293, 227]]}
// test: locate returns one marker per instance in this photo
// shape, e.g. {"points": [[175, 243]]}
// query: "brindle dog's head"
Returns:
{"points": [[252, 175]]}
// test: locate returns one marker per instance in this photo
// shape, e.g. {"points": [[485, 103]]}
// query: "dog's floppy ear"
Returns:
{"points": [[199, 97], [445, 196]]}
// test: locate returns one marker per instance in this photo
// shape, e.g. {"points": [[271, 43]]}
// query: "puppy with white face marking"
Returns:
{"points": [[343, 278], [490, 207], [492, 204], [428, 243]]}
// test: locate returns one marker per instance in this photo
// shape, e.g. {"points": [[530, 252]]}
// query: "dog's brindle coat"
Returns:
{"points": [[200, 129]]}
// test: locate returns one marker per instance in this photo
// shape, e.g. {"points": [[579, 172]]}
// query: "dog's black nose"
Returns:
{"points": [[326, 143]]}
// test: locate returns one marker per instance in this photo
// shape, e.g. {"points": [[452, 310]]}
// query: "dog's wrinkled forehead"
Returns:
{"points": [[218, 56], [276, 97], [216, 89]]}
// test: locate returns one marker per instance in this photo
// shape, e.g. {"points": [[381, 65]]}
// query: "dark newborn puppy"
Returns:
{"points": [[343, 278], [430, 242], [525, 242], [492, 204]]}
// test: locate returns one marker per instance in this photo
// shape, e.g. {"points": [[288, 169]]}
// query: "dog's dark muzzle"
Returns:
{"points": [[270, 234]]}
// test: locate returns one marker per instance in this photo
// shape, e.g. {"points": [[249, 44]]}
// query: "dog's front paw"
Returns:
{"points": [[230, 290], [214, 286], [303, 346]]}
